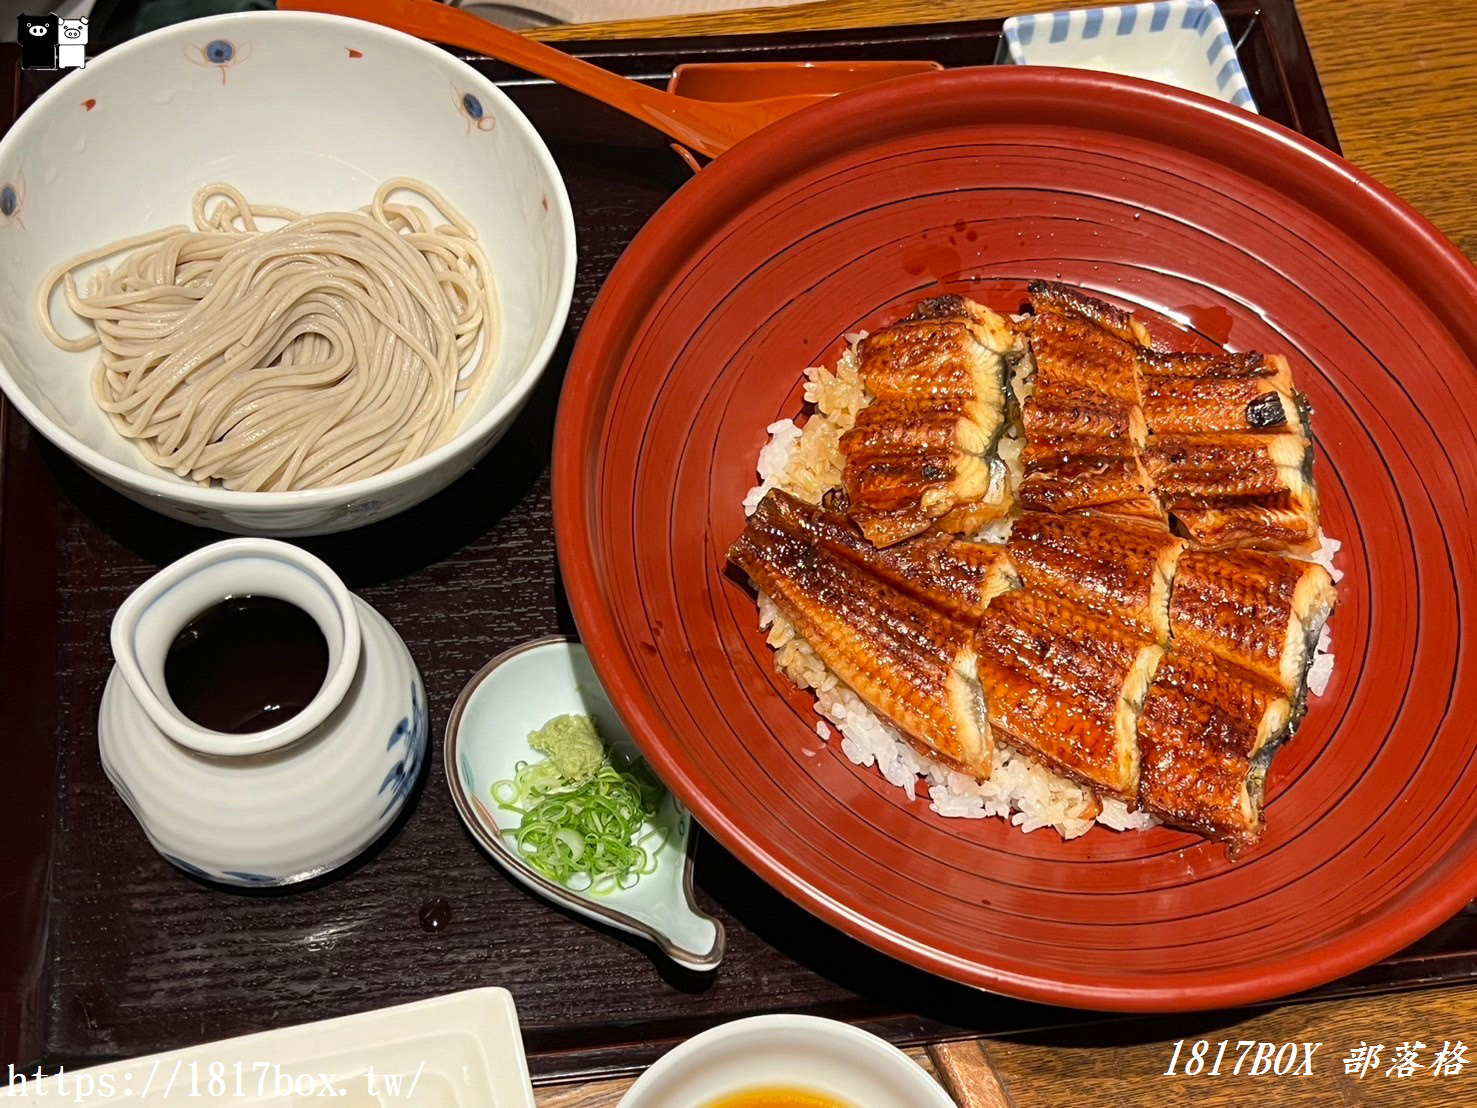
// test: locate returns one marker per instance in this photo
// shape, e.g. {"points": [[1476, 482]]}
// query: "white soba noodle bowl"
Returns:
{"points": [[307, 112]]}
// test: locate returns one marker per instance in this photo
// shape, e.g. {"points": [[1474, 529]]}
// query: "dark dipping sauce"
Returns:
{"points": [[246, 664]]}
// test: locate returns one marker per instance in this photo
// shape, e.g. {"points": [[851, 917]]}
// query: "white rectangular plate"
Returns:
{"points": [[458, 1051]]}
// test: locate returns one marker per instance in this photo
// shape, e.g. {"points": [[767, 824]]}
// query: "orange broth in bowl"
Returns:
{"points": [[777, 1096]]}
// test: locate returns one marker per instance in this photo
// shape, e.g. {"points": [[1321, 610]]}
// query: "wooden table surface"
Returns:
{"points": [[1401, 82]]}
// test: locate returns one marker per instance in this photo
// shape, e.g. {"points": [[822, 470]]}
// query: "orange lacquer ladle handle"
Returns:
{"points": [[708, 128]]}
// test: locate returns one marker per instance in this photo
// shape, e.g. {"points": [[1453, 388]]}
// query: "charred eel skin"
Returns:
{"points": [[921, 455], [910, 663]]}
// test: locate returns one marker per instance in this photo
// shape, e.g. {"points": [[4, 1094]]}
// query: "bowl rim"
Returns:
{"points": [[462, 798], [175, 724], [579, 431], [161, 483], [845, 1035]]}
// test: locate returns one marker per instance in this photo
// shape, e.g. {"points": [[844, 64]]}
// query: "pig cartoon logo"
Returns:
{"points": [[48, 42], [39, 36], [71, 50]]}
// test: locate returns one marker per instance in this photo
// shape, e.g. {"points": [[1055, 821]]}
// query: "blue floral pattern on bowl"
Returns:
{"points": [[12, 200], [411, 730], [219, 52], [228, 877], [473, 111]]}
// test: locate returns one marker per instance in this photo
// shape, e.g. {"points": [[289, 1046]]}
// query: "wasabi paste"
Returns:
{"points": [[583, 822], [573, 745]]}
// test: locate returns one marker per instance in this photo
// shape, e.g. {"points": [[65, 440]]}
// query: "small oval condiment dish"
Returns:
{"points": [[487, 736], [827, 1059], [282, 805]]}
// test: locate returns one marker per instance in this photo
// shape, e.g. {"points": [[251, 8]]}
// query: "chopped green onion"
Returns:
{"points": [[586, 836]]}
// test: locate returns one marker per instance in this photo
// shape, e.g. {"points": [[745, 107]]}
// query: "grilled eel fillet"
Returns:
{"points": [[1231, 689], [1220, 442], [909, 662], [1066, 687], [1260, 612], [1084, 420], [1115, 569], [1229, 451], [1204, 393], [1205, 737], [1074, 666], [930, 635], [959, 578], [921, 455]]}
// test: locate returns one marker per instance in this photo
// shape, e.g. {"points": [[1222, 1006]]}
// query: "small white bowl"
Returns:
{"points": [[818, 1055], [487, 736], [310, 111], [1183, 43]]}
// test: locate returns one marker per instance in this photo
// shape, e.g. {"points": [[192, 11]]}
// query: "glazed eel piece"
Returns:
{"points": [[1231, 689], [1220, 443], [1258, 611], [1116, 569], [1066, 662], [1206, 736], [1083, 417], [957, 577], [1230, 449], [1066, 687], [910, 662], [922, 454]]}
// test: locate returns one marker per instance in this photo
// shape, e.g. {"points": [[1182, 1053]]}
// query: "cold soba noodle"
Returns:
{"points": [[332, 347]]}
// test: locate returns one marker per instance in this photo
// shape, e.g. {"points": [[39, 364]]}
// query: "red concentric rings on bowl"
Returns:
{"points": [[1181, 207]]}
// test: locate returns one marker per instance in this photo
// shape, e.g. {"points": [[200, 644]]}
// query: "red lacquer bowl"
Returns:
{"points": [[1188, 209]]}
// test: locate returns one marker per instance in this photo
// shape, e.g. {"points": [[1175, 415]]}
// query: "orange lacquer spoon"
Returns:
{"points": [[707, 127]]}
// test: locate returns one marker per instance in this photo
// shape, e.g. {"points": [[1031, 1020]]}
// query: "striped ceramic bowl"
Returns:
{"points": [[1184, 43]]}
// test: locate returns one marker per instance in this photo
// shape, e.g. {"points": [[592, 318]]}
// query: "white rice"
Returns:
{"points": [[804, 461], [1320, 669], [1324, 555], [774, 459]]}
